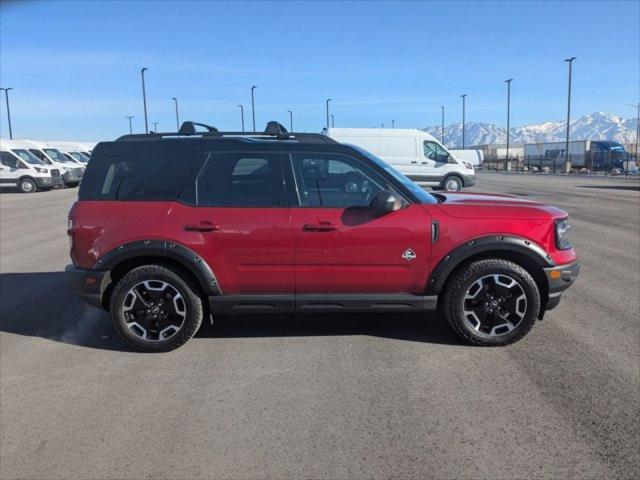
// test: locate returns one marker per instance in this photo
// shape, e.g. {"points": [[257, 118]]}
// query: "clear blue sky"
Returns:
{"points": [[75, 66]]}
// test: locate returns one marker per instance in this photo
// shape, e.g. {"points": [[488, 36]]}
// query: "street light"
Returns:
{"points": [[508, 82], [327, 101], [637, 106], [6, 96], [155, 126], [253, 107], [130, 127], [333, 121], [175, 100], [464, 96], [290, 120], [144, 100], [393, 124], [242, 116], [442, 132], [567, 161]]}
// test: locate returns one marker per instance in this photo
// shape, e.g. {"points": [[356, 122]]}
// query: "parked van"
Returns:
{"points": [[71, 171], [25, 172], [474, 156], [414, 153], [73, 150]]}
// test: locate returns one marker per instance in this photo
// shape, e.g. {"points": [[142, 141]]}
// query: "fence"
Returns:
{"points": [[602, 165]]}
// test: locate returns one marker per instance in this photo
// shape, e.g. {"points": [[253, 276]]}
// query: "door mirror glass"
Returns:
{"points": [[387, 202]]}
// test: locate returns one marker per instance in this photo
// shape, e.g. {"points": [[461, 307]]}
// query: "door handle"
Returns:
{"points": [[202, 226], [414, 161], [319, 227], [425, 163]]}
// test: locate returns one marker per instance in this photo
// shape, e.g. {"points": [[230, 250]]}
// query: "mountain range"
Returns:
{"points": [[597, 126]]}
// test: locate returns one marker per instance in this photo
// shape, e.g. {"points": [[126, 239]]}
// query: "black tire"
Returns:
{"points": [[473, 278], [452, 183], [27, 185], [157, 274]]}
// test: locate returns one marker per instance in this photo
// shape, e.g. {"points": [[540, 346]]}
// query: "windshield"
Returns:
{"points": [[56, 155], [421, 194], [79, 156], [28, 157]]}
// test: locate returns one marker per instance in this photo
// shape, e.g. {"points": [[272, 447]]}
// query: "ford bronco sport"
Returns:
{"points": [[171, 228]]}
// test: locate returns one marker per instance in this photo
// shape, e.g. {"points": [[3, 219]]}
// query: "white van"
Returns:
{"points": [[27, 173], [474, 156], [71, 171], [413, 152], [73, 150]]}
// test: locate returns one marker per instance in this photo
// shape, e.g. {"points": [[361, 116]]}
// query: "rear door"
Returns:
{"points": [[234, 214], [341, 244]]}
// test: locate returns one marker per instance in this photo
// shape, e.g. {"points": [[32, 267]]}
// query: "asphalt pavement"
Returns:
{"points": [[332, 396]]}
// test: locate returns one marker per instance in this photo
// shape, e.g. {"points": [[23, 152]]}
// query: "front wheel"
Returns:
{"points": [[492, 302], [452, 184], [155, 309], [27, 185]]}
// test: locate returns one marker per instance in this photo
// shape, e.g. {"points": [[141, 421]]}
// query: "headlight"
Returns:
{"points": [[468, 165], [562, 234], [41, 170]]}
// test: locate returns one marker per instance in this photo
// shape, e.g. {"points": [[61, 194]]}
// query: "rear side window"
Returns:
{"points": [[237, 180], [136, 177]]}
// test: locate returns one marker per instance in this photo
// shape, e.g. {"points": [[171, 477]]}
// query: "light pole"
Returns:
{"points": [[333, 121], [130, 127], [637, 107], [144, 100], [175, 100], [508, 82], [6, 97], [253, 107], [442, 132], [290, 120], [567, 160], [393, 124], [464, 96], [327, 101], [155, 126], [242, 116]]}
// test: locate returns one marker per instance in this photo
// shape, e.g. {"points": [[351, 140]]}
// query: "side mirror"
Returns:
{"points": [[386, 202]]}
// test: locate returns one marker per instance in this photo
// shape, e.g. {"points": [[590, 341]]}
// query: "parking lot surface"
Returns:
{"points": [[334, 396]]}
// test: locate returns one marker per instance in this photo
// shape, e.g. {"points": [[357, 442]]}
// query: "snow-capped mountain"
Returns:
{"points": [[597, 126]]}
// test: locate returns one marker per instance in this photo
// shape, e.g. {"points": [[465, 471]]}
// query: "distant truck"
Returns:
{"points": [[474, 156], [591, 154]]}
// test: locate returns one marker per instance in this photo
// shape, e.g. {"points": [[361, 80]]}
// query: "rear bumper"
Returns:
{"points": [[559, 279], [89, 285]]}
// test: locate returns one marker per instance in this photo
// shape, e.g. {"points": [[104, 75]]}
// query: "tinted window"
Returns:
{"points": [[135, 177], [334, 181], [8, 160], [238, 179]]}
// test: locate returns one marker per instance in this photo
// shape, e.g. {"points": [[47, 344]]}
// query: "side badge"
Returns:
{"points": [[409, 255]]}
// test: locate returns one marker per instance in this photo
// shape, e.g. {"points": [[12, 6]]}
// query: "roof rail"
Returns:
{"points": [[273, 131]]}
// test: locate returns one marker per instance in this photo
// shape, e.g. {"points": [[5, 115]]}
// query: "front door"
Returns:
{"points": [[341, 245], [9, 170], [234, 215]]}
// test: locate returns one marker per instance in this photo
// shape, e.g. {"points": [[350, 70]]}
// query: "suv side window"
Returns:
{"points": [[238, 180], [9, 160], [335, 181], [435, 152]]}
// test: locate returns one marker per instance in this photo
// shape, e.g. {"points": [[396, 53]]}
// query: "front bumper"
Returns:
{"points": [[44, 182], [469, 180], [89, 285], [559, 279], [72, 177]]}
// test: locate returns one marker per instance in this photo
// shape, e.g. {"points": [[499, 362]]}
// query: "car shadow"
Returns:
{"points": [[635, 188], [42, 305]]}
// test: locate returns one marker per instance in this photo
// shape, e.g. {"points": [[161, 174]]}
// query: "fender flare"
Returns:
{"points": [[163, 248], [460, 254]]}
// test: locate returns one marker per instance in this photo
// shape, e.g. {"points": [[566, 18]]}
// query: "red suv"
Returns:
{"points": [[170, 228]]}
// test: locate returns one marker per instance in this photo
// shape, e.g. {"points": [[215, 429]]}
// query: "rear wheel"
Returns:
{"points": [[27, 185], [492, 302], [155, 309]]}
